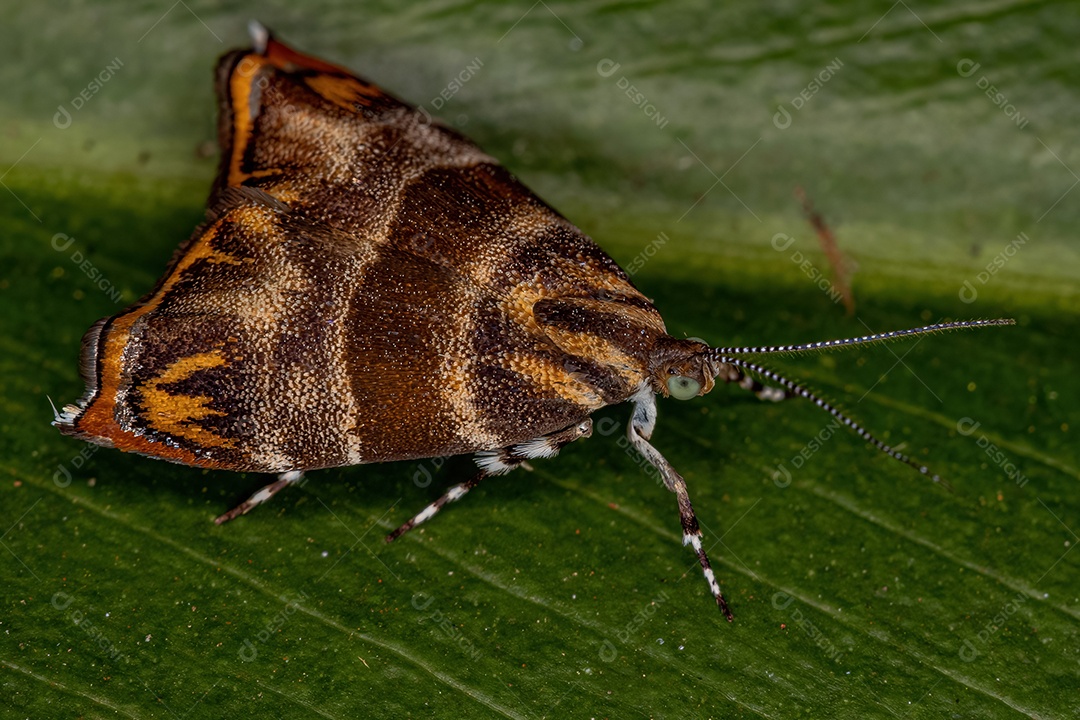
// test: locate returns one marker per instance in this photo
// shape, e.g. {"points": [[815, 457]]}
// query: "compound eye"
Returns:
{"points": [[683, 388]]}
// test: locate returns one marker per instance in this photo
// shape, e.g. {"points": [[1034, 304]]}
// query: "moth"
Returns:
{"points": [[370, 286]]}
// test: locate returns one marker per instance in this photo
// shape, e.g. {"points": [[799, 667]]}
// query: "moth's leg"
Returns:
{"points": [[499, 462], [454, 493], [733, 374], [262, 495], [639, 432]]}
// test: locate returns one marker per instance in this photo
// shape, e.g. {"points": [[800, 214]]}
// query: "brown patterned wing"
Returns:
{"points": [[369, 286]]}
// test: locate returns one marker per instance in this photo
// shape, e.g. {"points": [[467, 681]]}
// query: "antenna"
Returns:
{"points": [[793, 388], [864, 340], [727, 356]]}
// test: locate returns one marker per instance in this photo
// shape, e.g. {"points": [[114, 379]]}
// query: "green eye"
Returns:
{"points": [[683, 388]]}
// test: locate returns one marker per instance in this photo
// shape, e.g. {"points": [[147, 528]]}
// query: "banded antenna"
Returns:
{"points": [[792, 389]]}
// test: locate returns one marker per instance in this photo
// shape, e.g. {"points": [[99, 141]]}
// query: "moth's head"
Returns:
{"points": [[682, 369]]}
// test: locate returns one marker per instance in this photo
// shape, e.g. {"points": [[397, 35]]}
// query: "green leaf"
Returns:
{"points": [[939, 146]]}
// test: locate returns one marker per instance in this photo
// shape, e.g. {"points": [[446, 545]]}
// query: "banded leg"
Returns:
{"points": [[500, 462], [262, 495], [639, 432], [455, 493], [731, 373]]}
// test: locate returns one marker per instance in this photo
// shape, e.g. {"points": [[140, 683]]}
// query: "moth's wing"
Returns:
{"points": [[329, 144], [214, 367], [274, 344], [404, 189], [369, 286], [335, 150]]}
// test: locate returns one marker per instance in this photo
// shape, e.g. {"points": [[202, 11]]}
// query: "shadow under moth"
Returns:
{"points": [[370, 286]]}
